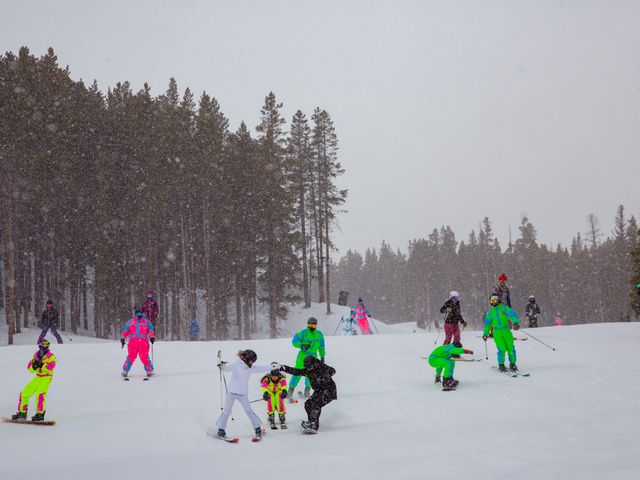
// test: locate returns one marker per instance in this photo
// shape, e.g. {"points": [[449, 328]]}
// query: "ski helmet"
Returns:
{"points": [[454, 294], [312, 321], [44, 345], [248, 356], [274, 373], [49, 302], [502, 278], [150, 294], [531, 297], [494, 299], [137, 309], [360, 302], [310, 362]]}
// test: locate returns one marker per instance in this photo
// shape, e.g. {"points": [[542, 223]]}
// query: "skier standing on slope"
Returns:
{"points": [[324, 389], [310, 341], [503, 291], [49, 321], [140, 332], [451, 328], [274, 391], [42, 364], [498, 318], [440, 359], [150, 308], [194, 330], [531, 311], [240, 371], [361, 315], [558, 320]]}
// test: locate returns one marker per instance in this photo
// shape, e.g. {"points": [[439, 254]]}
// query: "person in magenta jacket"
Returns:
{"points": [[140, 332], [361, 316]]}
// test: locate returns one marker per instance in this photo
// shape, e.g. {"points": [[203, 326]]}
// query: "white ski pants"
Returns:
{"points": [[228, 406]]}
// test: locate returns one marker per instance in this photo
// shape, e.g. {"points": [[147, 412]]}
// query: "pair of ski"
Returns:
{"points": [[254, 439], [46, 423], [457, 359], [511, 373]]}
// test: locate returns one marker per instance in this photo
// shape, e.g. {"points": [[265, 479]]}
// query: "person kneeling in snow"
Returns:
{"points": [[42, 364], [440, 359], [241, 370], [324, 388], [274, 391]]}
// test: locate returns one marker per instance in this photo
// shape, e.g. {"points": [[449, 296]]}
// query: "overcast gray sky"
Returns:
{"points": [[446, 111]]}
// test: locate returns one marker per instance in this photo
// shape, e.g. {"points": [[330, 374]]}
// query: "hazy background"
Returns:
{"points": [[446, 111]]}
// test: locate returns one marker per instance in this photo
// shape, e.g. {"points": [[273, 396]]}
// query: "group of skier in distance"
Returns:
{"points": [[320, 388]]}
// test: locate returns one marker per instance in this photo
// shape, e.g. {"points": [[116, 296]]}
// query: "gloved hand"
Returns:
{"points": [[265, 396], [516, 326], [305, 347], [275, 365], [283, 394], [468, 352], [464, 324], [222, 363], [122, 342], [152, 340], [484, 337], [36, 364], [322, 360]]}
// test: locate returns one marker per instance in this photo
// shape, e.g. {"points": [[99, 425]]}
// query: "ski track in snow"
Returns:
{"points": [[576, 417]]}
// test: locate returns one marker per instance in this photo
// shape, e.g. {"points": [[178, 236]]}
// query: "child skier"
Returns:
{"points": [[324, 389], [310, 341], [274, 391], [451, 328], [241, 370], [440, 359], [42, 364], [361, 315], [498, 318], [140, 332]]}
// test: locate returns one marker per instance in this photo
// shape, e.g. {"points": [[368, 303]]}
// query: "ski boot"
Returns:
{"points": [[272, 421], [283, 425], [150, 373], [258, 433], [19, 416], [502, 368], [454, 382], [437, 379], [307, 392], [125, 374], [290, 393], [513, 367], [38, 417], [309, 426], [447, 384], [222, 433]]}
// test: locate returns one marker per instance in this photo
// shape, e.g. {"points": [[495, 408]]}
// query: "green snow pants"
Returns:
{"points": [[504, 343], [442, 364]]}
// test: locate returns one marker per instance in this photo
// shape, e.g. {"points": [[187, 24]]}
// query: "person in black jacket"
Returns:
{"points": [[49, 320], [324, 389], [451, 328], [531, 311]]}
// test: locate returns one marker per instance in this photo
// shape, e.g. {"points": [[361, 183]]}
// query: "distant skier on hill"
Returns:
{"points": [[361, 315], [140, 332], [42, 364], [274, 391], [310, 341], [558, 320], [240, 371], [453, 315], [503, 291], [150, 308], [498, 318], [531, 311], [194, 330], [440, 359], [49, 321], [324, 389]]}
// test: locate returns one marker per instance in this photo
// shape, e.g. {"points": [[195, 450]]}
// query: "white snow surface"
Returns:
{"points": [[576, 417]]}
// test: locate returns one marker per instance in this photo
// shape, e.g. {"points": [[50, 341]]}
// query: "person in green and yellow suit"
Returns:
{"points": [[440, 359], [310, 341], [42, 365], [499, 317]]}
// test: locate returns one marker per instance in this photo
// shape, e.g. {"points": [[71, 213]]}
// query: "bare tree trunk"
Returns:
{"points": [[184, 272], [85, 309], [305, 272], [207, 271], [327, 245], [9, 252]]}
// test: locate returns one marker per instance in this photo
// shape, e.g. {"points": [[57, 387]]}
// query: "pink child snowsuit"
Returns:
{"points": [[139, 330], [558, 321], [361, 316]]}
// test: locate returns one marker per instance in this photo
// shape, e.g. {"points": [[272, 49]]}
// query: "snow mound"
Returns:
{"points": [[576, 416]]}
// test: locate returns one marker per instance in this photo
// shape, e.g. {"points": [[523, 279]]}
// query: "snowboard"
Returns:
{"points": [[47, 423]]}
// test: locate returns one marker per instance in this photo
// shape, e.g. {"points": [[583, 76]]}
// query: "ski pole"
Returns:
{"points": [[486, 352], [65, 334], [374, 325], [152, 353], [537, 339], [443, 323], [336, 330], [223, 379]]}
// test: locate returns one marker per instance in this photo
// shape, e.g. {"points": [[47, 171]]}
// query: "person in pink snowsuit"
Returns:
{"points": [[361, 316], [558, 320], [140, 332]]}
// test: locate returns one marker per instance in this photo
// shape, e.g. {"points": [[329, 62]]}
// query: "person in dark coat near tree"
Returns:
{"points": [[324, 389], [451, 328], [49, 321]]}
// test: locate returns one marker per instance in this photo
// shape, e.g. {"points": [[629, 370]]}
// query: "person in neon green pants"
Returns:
{"points": [[310, 341], [440, 359], [498, 318], [42, 364]]}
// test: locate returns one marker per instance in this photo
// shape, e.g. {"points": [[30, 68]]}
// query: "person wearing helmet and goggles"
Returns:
{"points": [[453, 315], [310, 341], [42, 364], [274, 391], [140, 332], [500, 318]]}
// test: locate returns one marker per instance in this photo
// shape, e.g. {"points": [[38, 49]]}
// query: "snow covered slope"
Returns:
{"points": [[576, 417]]}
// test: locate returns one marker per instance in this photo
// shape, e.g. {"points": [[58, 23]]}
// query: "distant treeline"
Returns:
{"points": [[105, 196], [594, 280]]}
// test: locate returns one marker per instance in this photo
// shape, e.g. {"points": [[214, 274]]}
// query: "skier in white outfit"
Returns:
{"points": [[241, 370]]}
